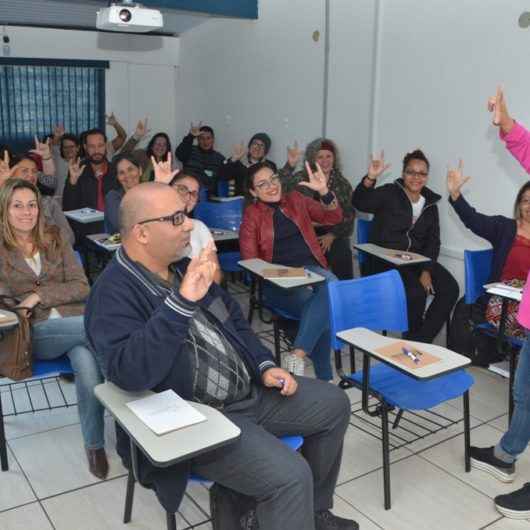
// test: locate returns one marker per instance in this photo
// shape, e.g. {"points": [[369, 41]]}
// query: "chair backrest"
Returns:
{"points": [[203, 194], [223, 188], [477, 271], [376, 302], [363, 233], [226, 215]]}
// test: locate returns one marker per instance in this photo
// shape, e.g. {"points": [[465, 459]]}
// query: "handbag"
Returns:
{"points": [[15, 342]]}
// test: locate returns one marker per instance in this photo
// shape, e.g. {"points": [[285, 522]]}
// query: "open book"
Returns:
{"points": [[165, 412]]}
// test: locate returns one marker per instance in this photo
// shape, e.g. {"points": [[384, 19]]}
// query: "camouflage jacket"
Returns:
{"points": [[337, 184]]}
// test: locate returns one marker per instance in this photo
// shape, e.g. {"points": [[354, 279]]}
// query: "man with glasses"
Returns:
{"points": [[237, 167], [158, 322]]}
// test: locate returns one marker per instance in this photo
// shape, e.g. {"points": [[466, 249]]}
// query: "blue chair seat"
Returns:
{"points": [[407, 393], [492, 331], [228, 261], [60, 365]]}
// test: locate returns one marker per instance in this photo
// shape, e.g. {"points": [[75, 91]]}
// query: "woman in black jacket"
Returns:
{"points": [[406, 218]]}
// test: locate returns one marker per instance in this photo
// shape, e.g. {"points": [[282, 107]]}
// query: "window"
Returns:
{"points": [[37, 94]]}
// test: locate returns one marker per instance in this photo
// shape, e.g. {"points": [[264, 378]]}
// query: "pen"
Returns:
{"points": [[282, 382], [410, 355]]}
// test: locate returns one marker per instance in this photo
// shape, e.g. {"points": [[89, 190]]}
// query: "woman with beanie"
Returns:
{"points": [[334, 240], [238, 165]]}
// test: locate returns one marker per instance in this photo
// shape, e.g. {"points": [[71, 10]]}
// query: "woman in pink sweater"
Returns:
{"points": [[499, 460]]}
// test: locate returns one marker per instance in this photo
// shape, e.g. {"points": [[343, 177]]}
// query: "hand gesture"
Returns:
{"points": [[58, 133], [195, 130], [75, 170], [42, 149], [456, 179], [163, 171], [377, 166], [293, 155], [111, 119], [326, 241], [141, 129], [280, 378], [5, 171], [199, 275], [317, 180], [238, 151], [501, 117]]}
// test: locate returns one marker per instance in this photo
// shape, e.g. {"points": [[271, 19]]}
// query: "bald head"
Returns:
{"points": [[146, 201]]}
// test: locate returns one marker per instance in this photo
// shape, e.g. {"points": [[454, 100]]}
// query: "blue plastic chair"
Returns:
{"points": [[223, 188], [363, 234], [378, 303], [477, 265], [203, 194]]}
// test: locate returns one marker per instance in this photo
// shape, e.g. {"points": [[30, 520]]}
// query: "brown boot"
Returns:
{"points": [[97, 462]]}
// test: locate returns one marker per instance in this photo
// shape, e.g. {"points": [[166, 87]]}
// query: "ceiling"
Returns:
{"points": [[179, 15]]}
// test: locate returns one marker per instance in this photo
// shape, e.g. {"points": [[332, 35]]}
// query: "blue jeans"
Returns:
{"points": [[516, 438], [311, 306], [53, 338]]}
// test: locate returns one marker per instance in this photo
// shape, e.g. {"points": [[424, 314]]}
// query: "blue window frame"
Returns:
{"points": [[37, 94]]}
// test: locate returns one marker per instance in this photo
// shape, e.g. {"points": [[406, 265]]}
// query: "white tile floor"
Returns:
{"points": [[48, 486]]}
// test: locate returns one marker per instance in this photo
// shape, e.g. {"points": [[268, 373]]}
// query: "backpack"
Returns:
{"points": [[231, 510], [466, 339]]}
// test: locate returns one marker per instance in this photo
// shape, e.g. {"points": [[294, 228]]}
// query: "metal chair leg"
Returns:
{"points": [[386, 455], [3, 443], [129, 496], [467, 435], [397, 419], [352, 359], [171, 521], [277, 352], [513, 366]]}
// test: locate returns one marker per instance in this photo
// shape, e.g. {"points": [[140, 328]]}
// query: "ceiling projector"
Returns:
{"points": [[129, 17]]}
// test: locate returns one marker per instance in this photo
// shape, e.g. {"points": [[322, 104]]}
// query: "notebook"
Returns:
{"points": [[165, 412]]}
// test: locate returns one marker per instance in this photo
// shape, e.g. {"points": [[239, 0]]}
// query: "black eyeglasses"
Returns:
{"points": [[412, 173], [184, 191], [265, 185], [176, 219]]}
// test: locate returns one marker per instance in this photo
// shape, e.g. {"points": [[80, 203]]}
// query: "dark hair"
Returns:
{"points": [[91, 132], [130, 158], [415, 155], [254, 169], [17, 158], [207, 128], [149, 150], [68, 136], [182, 175], [517, 206]]}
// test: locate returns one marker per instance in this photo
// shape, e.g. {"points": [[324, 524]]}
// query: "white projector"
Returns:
{"points": [[129, 17]]}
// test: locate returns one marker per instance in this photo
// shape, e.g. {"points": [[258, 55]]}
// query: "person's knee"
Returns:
{"points": [[85, 366], [337, 404]]}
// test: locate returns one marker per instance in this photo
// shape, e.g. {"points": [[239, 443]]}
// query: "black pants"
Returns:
{"points": [[425, 325], [340, 258]]}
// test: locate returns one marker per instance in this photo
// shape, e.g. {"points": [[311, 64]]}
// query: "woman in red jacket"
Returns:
{"points": [[278, 228]]}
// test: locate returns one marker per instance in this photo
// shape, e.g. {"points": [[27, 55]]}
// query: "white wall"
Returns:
{"points": [[141, 80], [242, 77]]}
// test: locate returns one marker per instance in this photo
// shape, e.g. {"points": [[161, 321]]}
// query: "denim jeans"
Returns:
{"points": [[311, 306], [55, 337], [516, 438]]}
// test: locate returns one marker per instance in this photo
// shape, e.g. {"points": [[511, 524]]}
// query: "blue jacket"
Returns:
{"points": [[136, 329], [500, 231]]}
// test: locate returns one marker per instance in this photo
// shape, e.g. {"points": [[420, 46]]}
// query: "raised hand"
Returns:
{"points": [[42, 149], [58, 133], [199, 275], [377, 166], [238, 151], [141, 129], [294, 154], [163, 172], [501, 117], [111, 119], [195, 130], [317, 180], [5, 171], [75, 169], [456, 179]]}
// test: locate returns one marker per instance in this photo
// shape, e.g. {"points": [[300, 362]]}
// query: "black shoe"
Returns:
{"points": [[484, 458], [325, 520], [515, 505]]}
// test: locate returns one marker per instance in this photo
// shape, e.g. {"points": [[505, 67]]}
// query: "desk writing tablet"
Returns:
{"points": [[396, 257]]}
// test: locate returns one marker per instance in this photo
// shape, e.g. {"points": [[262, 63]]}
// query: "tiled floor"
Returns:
{"points": [[48, 486]]}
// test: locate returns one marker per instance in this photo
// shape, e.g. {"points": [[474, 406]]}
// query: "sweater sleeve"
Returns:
{"points": [[518, 143], [369, 200], [72, 195], [183, 150], [324, 215], [248, 234], [486, 226], [432, 248]]}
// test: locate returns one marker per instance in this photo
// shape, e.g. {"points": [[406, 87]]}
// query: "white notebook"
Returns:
{"points": [[165, 412]]}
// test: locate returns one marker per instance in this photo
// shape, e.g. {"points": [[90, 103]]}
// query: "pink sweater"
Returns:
{"points": [[518, 143]]}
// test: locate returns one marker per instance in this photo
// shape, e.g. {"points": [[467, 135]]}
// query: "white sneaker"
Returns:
{"points": [[294, 364]]}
